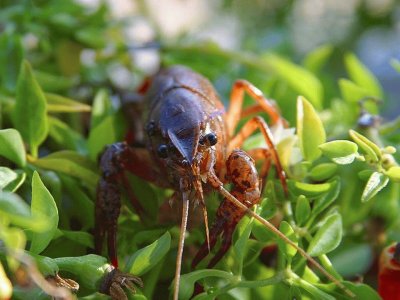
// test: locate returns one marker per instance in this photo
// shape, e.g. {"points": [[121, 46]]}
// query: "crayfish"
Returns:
{"points": [[187, 142]]}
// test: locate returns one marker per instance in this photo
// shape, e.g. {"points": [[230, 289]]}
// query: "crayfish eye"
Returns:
{"points": [[162, 151], [210, 139]]}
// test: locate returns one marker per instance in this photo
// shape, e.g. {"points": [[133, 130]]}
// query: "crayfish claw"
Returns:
{"points": [[115, 281]]}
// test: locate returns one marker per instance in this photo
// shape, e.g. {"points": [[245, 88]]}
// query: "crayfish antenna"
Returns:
{"points": [[271, 227], [199, 188], [185, 213]]}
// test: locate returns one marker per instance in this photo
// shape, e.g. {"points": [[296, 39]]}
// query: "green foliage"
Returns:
{"points": [[58, 113]]}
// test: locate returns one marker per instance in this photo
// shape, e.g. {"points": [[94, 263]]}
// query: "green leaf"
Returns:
{"points": [[101, 108], [52, 83], [92, 37], [188, 280], [66, 136], [375, 183], [309, 189], [301, 80], [18, 212], [324, 201], [370, 148], [351, 260], [79, 237], [46, 265], [43, 205], [317, 58], [71, 163], [361, 291], [30, 113], [328, 236], [90, 269], [11, 56], [341, 152], [106, 133], [351, 92], [288, 250], [394, 173], [323, 172], [12, 146], [6, 177], [57, 103], [239, 247], [145, 259], [303, 210], [310, 130], [67, 55], [362, 76]]}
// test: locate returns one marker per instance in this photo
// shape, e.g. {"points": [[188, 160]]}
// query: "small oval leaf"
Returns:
{"points": [[310, 130], [43, 205], [288, 250], [12, 146], [323, 171], [328, 236], [369, 147], [341, 152], [375, 183], [303, 210], [146, 258], [309, 189]]}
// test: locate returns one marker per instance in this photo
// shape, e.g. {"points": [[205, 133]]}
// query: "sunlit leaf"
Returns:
{"points": [[369, 147], [57, 103], [101, 108], [362, 76], [310, 130], [375, 183], [43, 205], [309, 189], [12, 146], [18, 212], [351, 92], [301, 80], [340, 151], [318, 57], [394, 173]]}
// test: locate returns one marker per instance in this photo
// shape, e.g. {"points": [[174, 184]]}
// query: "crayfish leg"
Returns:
{"points": [[205, 249], [247, 129], [235, 111], [226, 244]]}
